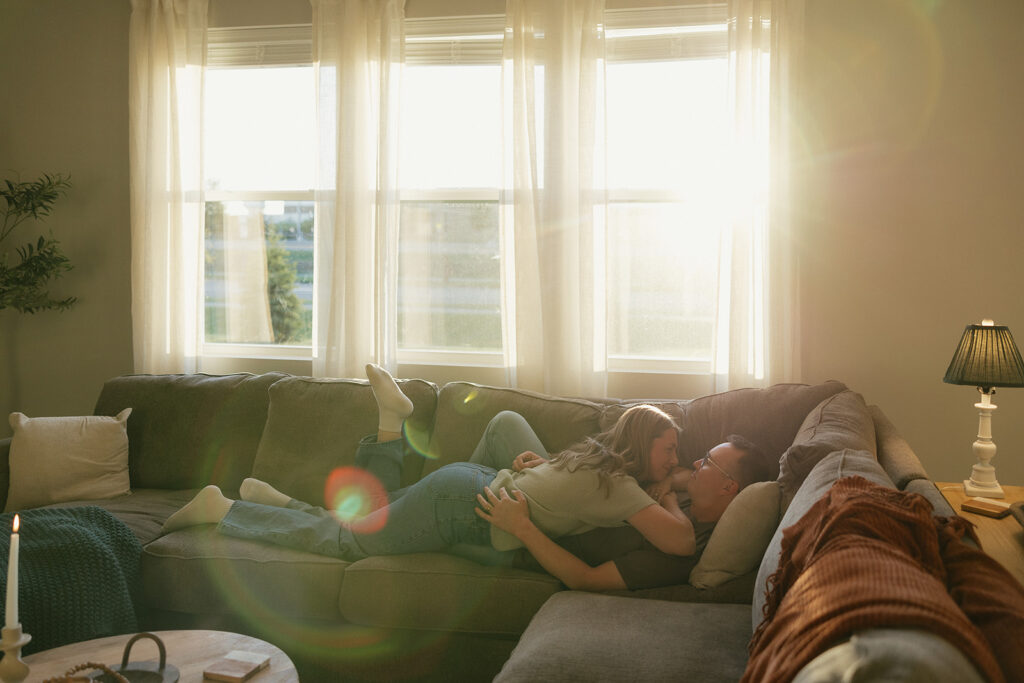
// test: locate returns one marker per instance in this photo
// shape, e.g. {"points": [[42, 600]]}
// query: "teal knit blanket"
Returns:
{"points": [[78, 575]]}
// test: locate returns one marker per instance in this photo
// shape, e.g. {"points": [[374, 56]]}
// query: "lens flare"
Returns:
{"points": [[351, 494]]}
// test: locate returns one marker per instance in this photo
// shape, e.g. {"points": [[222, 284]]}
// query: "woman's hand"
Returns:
{"points": [[503, 512], [659, 488], [526, 460]]}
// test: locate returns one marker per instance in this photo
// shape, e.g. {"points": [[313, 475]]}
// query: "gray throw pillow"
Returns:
{"points": [[839, 422]]}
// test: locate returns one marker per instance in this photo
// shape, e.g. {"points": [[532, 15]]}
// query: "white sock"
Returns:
{"points": [[208, 507], [256, 491], [392, 405]]}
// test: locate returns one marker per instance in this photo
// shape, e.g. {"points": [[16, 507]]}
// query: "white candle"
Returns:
{"points": [[12, 578]]}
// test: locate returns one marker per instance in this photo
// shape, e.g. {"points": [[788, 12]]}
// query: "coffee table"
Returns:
{"points": [[189, 651]]}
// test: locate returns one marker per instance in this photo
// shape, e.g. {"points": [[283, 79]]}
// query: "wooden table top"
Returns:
{"points": [[1002, 539], [190, 651]]}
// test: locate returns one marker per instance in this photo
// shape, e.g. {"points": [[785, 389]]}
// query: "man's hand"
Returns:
{"points": [[503, 512], [527, 460]]}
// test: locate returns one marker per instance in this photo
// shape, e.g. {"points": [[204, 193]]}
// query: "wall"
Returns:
{"points": [[910, 211], [64, 69], [909, 217]]}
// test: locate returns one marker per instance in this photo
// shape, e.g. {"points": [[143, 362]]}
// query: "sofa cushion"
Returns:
{"points": [[464, 409], [844, 463], [143, 510], [186, 431], [314, 427], [741, 536], [579, 636], [769, 417], [55, 459], [840, 421], [199, 571], [437, 591]]}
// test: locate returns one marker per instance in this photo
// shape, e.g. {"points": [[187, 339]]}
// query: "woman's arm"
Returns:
{"points": [[513, 516], [666, 527]]}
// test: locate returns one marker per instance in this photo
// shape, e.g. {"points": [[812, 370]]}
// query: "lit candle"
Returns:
{"points": [[12, 578]]}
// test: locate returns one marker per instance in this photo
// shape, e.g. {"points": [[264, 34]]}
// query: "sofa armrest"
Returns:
{"points": [[5, 470], [895, 455]]}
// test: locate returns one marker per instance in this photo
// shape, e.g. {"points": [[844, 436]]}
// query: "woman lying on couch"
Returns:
{"points": [[593, 484]]}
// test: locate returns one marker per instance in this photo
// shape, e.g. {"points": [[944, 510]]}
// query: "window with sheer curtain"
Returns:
{"points": [[666, 171]]}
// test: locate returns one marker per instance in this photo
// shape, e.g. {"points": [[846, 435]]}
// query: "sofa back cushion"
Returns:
{"points": [[769, 417], [839, 422], [464, 409], [314, 426], [186, 431]]}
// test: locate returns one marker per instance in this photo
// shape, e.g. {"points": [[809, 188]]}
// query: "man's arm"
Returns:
{"points": [[513, 516]]}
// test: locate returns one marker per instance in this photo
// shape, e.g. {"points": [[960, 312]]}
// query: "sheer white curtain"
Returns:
{"points": [[167, 49], [357, 52], [755, 340], [554, 55], [783, 309]]}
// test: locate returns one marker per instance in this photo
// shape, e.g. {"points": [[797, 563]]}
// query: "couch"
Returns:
{"points": [[438, 616]]}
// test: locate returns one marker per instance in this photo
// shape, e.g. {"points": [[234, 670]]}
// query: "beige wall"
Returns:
{"points": [[64, 108], [909, 214]]}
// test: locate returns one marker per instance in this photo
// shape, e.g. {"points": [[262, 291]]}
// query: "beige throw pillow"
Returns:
{"points": [[59, 459], [741, 536]]}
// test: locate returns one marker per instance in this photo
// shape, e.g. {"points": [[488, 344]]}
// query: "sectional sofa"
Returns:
{"points": [[438, 616]]}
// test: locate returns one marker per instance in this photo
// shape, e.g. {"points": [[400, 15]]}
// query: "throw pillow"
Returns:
{"points": [[839, 422], [741, 536], [60, 459]]}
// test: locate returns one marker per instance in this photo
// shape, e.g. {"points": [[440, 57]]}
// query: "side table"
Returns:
{"points": [[1002, 539], [190, 651]]}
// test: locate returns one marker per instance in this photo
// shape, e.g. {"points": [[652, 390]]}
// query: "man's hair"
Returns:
{"points": [[752, 466]]}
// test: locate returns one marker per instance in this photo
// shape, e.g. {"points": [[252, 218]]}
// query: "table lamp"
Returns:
{"points": [[987, 357]]}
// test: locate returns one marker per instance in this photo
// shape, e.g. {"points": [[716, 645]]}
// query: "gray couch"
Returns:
{"points": [[437, 616]]}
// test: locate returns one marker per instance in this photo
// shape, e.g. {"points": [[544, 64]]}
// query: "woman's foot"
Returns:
{"points": [[208, 507], [256, 491], [392, 405]]}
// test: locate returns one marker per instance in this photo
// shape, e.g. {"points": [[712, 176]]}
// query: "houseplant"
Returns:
{"points": [[25, 280]]}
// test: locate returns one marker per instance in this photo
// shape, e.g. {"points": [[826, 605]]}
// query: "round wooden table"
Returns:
{"points": [[190, 651]]}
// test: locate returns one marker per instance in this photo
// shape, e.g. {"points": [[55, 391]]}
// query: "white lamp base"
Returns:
{"points": [[983, 474], [984, 491]]}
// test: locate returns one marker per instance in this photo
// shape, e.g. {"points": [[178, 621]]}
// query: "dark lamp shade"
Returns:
{"points": [[986, 357]]}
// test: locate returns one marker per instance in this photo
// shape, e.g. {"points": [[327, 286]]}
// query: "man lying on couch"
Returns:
{"points": [[620, 558]]}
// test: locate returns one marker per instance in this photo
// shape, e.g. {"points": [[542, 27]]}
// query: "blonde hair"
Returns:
{"points": [[624, 449]]}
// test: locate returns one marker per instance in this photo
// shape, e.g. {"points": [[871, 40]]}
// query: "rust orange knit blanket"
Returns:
{"points": [[866, 556]]}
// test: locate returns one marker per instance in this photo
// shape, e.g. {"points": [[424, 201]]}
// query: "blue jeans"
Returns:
{"points": [[436, 513]]}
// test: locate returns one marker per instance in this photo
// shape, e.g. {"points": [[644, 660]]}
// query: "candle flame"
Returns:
{"points": [[17, 523]]}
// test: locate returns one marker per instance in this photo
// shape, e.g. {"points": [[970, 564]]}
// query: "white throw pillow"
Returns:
{"points": [[59, 459], [739, 540]]}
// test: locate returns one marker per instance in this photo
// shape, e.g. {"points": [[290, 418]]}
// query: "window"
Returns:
{"points": [[668, 141], [450, 255], [668, 131], [258, 125]]}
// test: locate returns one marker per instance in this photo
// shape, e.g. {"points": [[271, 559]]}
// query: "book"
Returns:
{"points": [[986, 506], [237, 666]]}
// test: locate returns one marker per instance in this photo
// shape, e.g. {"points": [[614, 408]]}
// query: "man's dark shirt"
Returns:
{"points": [[638, 561]]}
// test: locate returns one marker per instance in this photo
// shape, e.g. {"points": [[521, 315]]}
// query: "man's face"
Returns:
{"points": [[712, 484]]}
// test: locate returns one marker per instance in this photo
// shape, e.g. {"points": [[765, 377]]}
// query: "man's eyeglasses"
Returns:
{"points": [[707, 459]]}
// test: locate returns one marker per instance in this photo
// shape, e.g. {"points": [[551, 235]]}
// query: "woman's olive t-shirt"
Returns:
{"points": [[564, 502]]}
